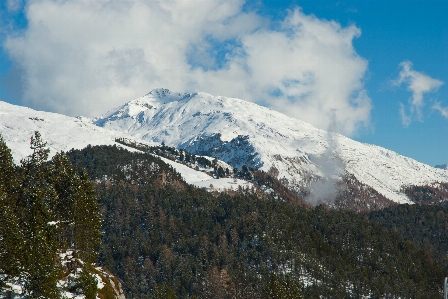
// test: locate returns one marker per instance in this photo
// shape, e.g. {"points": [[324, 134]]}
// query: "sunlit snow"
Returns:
{"points": [[243, 133]]}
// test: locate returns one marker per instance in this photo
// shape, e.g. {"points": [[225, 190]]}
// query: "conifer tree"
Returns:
{"points": [[67, 186], [11, 237], [87, 218], [35, 199], [76, 209], [282, 289], [45, 207], [8, 179]]}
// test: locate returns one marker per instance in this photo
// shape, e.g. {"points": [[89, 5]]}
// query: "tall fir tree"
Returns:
{"points": [[77, 210], [11, 236], [11, 239], [67, 185], [35, 199], [88, 220], [8, 181]]}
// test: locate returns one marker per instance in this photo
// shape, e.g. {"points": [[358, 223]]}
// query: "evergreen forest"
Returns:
{"points": [[166, 239], [134, 214]]}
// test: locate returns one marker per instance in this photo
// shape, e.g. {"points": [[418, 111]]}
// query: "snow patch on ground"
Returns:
{"points": [[203, 180], [15, 287]]}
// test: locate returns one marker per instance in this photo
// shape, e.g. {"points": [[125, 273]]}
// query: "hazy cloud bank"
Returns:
{"points": [[84, 57]]}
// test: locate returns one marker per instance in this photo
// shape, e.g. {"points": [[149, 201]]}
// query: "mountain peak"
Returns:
{"points": [[244, 133], [162, 96], [137, 107], [159, 92]]}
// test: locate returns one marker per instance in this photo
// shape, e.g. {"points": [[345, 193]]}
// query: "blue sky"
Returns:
{"points": [[392, 32], [65, 57]]}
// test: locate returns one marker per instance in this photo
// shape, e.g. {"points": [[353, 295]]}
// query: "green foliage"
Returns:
{"points": [[164, 292], [76, 210], [36, 197], [159, 230], [10, 234], [8, 181], [87, 221], [11, 238], [86, 284], [423, 225], [282, 288], [45, 207]]}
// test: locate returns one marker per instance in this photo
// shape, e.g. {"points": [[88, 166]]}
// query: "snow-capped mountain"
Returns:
{"points": [[243, 133], [62, 133]]}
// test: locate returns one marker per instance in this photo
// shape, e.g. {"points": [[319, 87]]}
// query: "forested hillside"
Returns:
{"points": [[434, 194], [50, 225], [426, 226], [166, 239]]}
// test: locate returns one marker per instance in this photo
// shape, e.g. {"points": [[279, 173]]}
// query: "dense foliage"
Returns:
{"points": [[46, 207], [166, 239], [426, 226]]}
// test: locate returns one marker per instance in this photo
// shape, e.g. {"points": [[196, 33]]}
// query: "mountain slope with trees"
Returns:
{"points": [[166, 239]]}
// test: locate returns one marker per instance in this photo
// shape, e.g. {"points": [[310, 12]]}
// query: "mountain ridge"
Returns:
{"points": [[234, 131], [62, 133], [243, 133]]}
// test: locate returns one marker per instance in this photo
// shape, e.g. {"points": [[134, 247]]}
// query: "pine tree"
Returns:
{"points": [[45, 207], [11, 239], [11, 236], [67, 185], [87, 219], [77, 210], [86, 284], [35, 199], [8, 179]]}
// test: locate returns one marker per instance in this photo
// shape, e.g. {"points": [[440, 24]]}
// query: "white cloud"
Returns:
{"points": [[443, 110], [406, 119], [14, 5], [419, 84], [86, 56]]}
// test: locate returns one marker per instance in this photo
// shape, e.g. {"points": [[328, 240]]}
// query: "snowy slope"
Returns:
{"points": [[17, 125], [62, 133], [243, 133], [203, 180]]}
